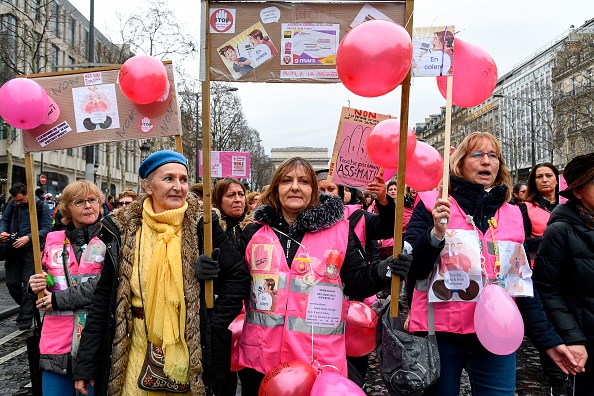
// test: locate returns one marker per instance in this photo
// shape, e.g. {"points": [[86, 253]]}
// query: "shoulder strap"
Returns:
{"points": [[353, 220], [39, 204]]}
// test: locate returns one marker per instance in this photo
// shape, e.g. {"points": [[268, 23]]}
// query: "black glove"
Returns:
{"points": [[398, 265], [207, 267]]}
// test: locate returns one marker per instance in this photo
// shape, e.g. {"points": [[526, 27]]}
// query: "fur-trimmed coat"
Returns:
{"points": [[105, 343], [360, 279], [234, 227]]}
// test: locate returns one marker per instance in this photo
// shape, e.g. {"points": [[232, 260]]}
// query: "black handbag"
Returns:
{"points": [[409, 364]]}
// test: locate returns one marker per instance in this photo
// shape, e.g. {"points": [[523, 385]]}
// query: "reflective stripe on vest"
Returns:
{"points": [[300, 325]]}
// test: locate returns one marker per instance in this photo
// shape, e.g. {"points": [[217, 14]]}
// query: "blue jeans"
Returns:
{"points": [[53, 384], [489, 374]]}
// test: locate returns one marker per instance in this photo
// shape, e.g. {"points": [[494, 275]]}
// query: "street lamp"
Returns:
{"points": [[145, 148], [199, 139], [530, 102], [95, 169]]}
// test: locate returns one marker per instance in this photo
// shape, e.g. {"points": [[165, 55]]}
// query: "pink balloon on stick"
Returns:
{"points": [[475, 75], [360, 330], [424, 169], [143, 79], [374, 57], [388, 173], [497, 321], [23, 103], [332, 384], [382, 144]]}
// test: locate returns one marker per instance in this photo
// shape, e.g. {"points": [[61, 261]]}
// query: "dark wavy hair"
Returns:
{"points": [[532, 190]]}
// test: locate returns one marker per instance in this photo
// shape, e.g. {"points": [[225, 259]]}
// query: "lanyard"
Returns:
{"points": [[497, 269]]}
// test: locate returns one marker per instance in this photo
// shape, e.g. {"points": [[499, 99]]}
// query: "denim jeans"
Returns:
{"points": [[54, 384], [489, 374]]}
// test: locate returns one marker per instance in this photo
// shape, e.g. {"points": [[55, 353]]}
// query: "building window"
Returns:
{"points": [[4, 128], [70, 152], [86, 42], [55, 57], [34, 9], [8, 33], [70, 61], [55, 19], [70, 34]]}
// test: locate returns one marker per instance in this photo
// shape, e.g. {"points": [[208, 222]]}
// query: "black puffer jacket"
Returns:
{"points": [[481, 205], [360, 279], [564, 273]]}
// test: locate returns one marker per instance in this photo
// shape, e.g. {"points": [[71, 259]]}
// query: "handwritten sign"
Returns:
{"points": [[350, 164]]}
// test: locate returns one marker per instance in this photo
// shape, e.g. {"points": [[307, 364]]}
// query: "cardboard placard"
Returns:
{"points": [[296, 42], [350, 165], [227, 164], [88, 107]]}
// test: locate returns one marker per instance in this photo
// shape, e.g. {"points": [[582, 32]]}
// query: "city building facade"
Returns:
{"points": [[43, 36], [317, 156]]}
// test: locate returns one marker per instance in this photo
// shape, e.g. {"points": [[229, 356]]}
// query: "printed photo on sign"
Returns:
{"points": [[368, 13], [95, 107], [263, 292], [309, 43], [222, 20], [350, 164], [516, 269], [247, 51], [261, 256], [433, 51], [458, 274]]}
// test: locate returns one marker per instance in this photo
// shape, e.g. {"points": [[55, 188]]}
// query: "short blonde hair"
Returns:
{"points": [[77, 190], [469, 144]]}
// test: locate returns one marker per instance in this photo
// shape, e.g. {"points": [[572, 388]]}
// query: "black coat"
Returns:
{"points": [[481, 205], [232, 286], [564, 275], [360, 279], [531, 241]]}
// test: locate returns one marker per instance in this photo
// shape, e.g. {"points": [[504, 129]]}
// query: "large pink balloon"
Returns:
{"points": [[424, 169], [383, 142], [236, 327], [497, 321], [332, 384], [374, 57], [23, 103], [475, 75], [143, 79], [288, 379], [360, 329]]}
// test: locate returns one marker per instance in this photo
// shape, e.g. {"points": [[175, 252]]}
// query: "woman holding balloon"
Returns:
{"points": [[454, 258]]}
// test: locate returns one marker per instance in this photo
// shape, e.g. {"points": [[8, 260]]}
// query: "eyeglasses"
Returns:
{"points": [[82, 202], [120, 204], [479, 154]]}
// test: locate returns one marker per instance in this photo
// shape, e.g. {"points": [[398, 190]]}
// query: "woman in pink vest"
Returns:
{"points": [[72, 260], [478, 218], [300, 240], [542, 196]]}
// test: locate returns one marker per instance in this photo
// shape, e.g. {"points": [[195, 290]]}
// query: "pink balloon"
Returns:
{"points": [[236, 326], [143, 79], [332, 384], [424, 169], [562, 186], [23, 103], [288, 379], [383, 142], [374, 57], [53, 112], [475, 75], [360, 329], [498, 323], [388, 173]]}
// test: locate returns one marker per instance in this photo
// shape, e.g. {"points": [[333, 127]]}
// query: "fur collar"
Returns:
{"points": [[225, 222], [329, 212], [127, 221]]}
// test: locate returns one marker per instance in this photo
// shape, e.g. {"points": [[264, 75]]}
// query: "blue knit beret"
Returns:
{"points": [[158, 159]]}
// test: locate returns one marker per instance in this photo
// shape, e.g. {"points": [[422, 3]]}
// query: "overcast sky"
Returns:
{"points": [[307, 115]]}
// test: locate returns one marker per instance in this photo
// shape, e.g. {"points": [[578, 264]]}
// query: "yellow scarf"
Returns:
{"points": [[164, 304]]}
